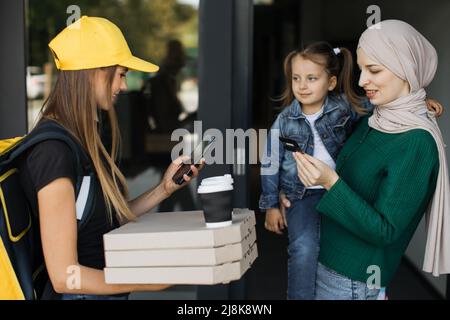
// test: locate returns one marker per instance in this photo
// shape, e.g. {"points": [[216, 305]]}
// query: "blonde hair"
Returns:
{"points": [[72, 104]]}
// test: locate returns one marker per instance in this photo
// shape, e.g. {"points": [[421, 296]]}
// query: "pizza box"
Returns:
{"points": [[198, 275], [181, 257], [178, 230]]}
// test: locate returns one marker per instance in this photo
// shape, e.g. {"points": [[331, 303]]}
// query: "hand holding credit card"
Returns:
{"points": [[195, 158]]}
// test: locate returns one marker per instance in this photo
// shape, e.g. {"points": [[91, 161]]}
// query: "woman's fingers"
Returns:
{"points": [[175, 165], [181, 159], [309, 163], [202, 164], [304, 178], [304, 171], [301, 174], [195, 171], [312, 168], [303, 163]]}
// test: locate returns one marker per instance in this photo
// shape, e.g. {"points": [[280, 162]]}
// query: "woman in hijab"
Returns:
{"points": [[390, 171]]}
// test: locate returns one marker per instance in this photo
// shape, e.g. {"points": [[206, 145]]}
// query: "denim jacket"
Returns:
{"points": [[278, 166]]}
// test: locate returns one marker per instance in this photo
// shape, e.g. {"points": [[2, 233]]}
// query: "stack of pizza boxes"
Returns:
{"points": [[178, 248]]}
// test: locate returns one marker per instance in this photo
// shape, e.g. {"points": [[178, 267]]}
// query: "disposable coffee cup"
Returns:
{"points": [[215, 195]]}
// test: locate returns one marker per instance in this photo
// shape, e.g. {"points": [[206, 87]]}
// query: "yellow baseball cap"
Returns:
{"points": [[93, 42]]}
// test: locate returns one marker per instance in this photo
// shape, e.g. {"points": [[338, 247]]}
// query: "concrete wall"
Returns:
{"points": [[343, 21]]}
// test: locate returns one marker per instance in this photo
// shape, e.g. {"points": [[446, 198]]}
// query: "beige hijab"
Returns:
{"points": [[404, 51]]}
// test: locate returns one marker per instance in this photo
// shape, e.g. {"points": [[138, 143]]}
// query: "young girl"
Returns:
{"points": [[93, 58], [321, 110]]}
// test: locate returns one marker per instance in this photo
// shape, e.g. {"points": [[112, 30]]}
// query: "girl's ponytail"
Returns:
{"points": [[345, 80]]}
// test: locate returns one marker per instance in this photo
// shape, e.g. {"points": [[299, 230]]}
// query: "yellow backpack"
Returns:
{"points": [[22, 271], [9, 285]]}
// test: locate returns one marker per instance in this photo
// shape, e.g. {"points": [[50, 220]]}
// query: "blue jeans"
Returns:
{"points": [[331, 285], [92, 297], [304, 236]]}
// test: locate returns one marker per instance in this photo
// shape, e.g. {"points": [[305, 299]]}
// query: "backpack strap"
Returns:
{"points": [[85, 185]]}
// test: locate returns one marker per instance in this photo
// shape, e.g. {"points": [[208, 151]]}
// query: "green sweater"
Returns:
{"points": [[370, 214]]}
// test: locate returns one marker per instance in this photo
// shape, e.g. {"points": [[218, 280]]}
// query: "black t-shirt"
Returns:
{"points": [[53, 159]]}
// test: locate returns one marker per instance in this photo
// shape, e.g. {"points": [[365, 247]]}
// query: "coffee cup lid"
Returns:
{"points": [[218, 179], [216, 182], [214, 188]]}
